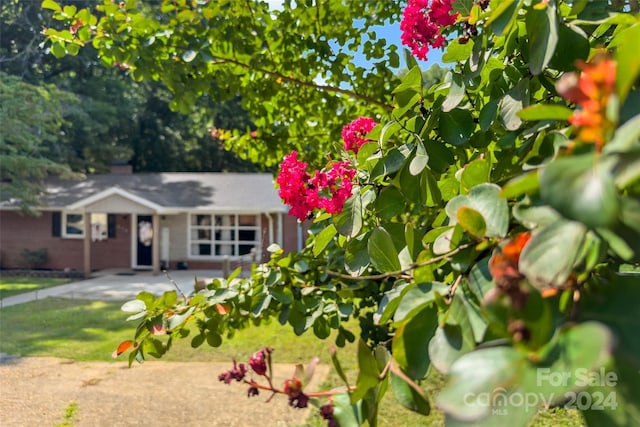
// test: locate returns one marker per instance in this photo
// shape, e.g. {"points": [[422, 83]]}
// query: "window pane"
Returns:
{"points": [[201, 249], [245, 249], [99, 226], [222, 250], [225, 234], [203, 220], [247, 220], [225, 220], [247, 235], [75, 224]]}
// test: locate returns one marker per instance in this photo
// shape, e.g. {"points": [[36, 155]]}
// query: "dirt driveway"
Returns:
{"points": [[36, 391]]}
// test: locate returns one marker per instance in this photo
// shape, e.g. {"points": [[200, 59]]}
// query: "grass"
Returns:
{"points": [[10, 286], [91, 330]]}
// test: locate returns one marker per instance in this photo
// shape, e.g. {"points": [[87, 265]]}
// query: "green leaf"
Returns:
{"points": [[344, 412], [52, 5], [488, 114], [503, 15], [626, 55], [573, 45], [416, 298], [525, 183], [496, 385], [178, 319], [419, 162], [390, 202], [189, 55], [457, 52], [548, 258], [625, 138], [382, 252], [456, 126], [463, 7], [456, 93], [368, 374], [581, 189], [474, 173], [446, 346], [542, 28], [545, 112], [412, 81], [472, 222], [410, 343], [408, 396], [515, 100], [356, 256], [58, 49], [477, 375], [337, 366], [349, 221], [323, 238], [133, 306], [486, 200]]}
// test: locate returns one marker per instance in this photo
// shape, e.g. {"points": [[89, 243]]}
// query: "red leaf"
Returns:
{"points": [[122, 347]]}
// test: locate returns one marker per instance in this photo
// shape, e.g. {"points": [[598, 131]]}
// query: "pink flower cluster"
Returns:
{"points": [[354, 133], [421, 24], [327, 189]]}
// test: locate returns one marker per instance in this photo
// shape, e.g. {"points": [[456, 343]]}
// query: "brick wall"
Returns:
{"points": [[19, 232]]}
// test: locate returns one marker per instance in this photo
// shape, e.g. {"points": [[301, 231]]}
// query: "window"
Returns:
{"points": [[215, 236], [73, 225]]}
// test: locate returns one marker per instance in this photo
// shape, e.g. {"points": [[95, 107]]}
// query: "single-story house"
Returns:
{"points": [[150, 221]]}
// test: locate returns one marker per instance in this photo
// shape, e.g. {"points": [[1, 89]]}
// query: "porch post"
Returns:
{"points": [[87, 244], [155, 247]]}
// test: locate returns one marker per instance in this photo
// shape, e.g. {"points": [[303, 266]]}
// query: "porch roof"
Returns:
{"points": [[167, 193]]}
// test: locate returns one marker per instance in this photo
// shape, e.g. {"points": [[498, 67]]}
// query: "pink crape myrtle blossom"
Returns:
{"points": [[422, 23], [354, 133], [327, 189], [336, 183], [294, 191]]}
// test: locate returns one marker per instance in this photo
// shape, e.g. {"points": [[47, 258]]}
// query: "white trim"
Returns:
{"points": [[257, 243], [134, 242], [63, 225], [116, 191]]}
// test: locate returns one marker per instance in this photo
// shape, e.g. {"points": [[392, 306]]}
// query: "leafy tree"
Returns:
{"points": [[299, 87], [486, 228], [117, 118], [30, 142]]}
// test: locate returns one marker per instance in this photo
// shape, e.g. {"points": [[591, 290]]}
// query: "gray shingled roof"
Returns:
{"points": [[195, 191]]}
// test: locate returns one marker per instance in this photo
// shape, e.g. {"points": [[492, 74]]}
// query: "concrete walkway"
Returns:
{"points": [[118, 285]]}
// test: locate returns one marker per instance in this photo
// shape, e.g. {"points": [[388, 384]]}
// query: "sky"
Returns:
{"points": [[389, 32]]}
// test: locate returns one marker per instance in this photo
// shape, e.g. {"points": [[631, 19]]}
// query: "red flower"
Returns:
{"points": [[258, 362], [422, 23], [592, 91], [354, 133], [293, 389], [503, 265], [328, 189]]}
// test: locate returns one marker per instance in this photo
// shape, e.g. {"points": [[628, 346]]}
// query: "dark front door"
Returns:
{"points": [[145, 241]]}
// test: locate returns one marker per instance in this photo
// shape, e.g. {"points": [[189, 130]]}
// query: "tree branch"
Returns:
{"points": [[323, 88], [404, 270]]}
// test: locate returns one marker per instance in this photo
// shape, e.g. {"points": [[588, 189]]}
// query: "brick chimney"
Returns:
{"points": [[121, 167]]}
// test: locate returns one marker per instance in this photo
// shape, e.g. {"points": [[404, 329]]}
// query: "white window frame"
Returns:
{"points": [[235, 229], [65, 222]]}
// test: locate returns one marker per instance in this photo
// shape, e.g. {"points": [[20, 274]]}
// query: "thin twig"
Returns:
{"points": [[323, 88], [166, 273]]}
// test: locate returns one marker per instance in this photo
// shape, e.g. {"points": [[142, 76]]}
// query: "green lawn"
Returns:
{"points": [[10, 286], [91, 330]]}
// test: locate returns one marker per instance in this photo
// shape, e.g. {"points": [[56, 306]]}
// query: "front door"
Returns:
{"points": [[144, 246]]}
